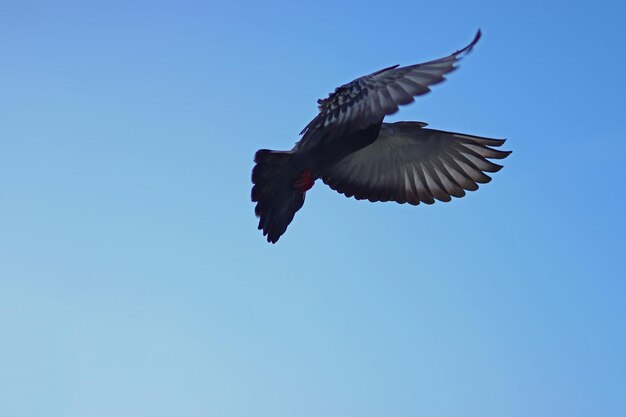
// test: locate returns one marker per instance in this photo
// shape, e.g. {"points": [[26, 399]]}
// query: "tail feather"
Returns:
{"points": [[273, 191]]}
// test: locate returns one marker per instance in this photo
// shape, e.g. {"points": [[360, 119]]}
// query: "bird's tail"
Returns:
{"points": [[274, 192]]}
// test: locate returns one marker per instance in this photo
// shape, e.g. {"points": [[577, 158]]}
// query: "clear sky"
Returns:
{"points": [[133, 281]]}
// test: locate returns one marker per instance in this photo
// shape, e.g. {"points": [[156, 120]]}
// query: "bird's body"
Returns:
{"points": [[352, 150]]}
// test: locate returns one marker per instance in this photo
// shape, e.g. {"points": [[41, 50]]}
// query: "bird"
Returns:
{"points": [[350, 147]]}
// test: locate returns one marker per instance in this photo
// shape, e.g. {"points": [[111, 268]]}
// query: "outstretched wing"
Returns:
{"points": [[410, 164], [369, 99]]}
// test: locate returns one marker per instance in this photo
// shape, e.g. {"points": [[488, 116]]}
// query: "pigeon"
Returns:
{"points": [[353, 151]]}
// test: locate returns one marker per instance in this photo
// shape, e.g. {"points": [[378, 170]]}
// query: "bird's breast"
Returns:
{"points": [[325, 149]]}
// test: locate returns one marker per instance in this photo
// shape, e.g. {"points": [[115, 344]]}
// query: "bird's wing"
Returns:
{"points": [[369, 99], [410, 164]]}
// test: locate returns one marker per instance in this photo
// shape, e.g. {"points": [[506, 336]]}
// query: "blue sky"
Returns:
{"points": [[133, 281]]}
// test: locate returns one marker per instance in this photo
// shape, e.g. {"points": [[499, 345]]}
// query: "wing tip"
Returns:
{"points": [[471, 45], [479, 34]]}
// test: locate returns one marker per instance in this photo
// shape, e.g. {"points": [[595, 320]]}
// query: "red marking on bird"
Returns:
{"points": [[305, 182]]}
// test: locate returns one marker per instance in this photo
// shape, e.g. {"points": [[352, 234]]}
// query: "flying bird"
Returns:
{"points": [[349, 147]]}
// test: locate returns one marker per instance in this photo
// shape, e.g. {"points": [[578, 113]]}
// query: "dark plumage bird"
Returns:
{"points": [[349, 147]]}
